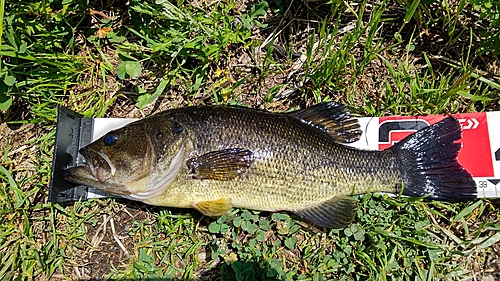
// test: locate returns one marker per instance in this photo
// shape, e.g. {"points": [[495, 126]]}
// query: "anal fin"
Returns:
{"points": [[337, 212], [213, 208]]}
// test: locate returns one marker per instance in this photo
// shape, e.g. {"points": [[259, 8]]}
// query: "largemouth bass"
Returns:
{"points": [[215, 158]]}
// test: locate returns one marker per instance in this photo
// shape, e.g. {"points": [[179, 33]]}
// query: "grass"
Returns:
{"points": [[389, 57]]}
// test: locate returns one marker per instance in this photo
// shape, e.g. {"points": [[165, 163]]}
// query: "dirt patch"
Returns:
{"points": [[110, 245]]}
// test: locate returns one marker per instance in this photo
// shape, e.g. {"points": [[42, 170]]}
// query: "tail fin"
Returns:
{"points": [[428, 162]]}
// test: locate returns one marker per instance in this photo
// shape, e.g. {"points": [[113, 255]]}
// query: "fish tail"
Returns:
{"points": [[429, 165]]}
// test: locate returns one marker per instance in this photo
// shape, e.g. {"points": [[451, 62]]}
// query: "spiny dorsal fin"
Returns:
{"points": [[337, 212], [333, 119], [223, 165], [213, 208]]}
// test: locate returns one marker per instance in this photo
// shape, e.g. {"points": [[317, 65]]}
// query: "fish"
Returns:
{"points": [[215, 158]]}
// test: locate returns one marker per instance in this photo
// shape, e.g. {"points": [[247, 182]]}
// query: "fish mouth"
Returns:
{"points": [[98, 164], [79, 175], [98, 169]]}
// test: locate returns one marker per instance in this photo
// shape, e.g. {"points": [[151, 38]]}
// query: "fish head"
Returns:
{"points": [[138, 161]]}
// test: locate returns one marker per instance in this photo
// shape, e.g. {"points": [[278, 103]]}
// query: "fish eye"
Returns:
{"points": [[110, 139], [178, 128]]}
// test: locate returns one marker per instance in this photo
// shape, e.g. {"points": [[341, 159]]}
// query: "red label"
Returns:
{"points": [[475, 155]]}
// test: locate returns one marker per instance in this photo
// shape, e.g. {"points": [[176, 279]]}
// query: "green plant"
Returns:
{"points": [[489, 11], [184, 41], [8, 80]]}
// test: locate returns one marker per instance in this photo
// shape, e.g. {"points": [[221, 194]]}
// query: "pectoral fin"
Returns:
{"points": [[222, 165], [333, 119], [334, 213], [213, 208]]}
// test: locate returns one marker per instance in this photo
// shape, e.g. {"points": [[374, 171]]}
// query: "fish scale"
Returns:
{"points": [[313, 173], [216, 158]]}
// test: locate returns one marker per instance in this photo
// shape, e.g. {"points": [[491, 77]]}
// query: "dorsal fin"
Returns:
{"points": [[331, 118]]}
